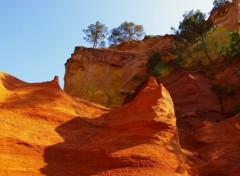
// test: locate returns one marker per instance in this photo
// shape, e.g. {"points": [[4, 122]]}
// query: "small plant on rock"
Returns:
{"points": [[155, 66], [232, 49]]}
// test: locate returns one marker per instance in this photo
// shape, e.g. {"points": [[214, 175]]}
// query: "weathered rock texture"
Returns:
{"points": [[29, 115], [46, 132], [228, 15], [208, 131], [107, 76]]}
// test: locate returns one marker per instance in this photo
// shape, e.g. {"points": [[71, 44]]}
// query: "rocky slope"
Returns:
{"points": [[46, 132]]}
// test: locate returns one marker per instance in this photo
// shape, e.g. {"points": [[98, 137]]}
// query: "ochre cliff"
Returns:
{"points": [[107, 76], [46, 132]]}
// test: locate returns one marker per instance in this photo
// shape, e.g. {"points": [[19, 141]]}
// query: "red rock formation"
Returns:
{"points": [[46, 132], [219, 146], [237, 6], [208, 133], [77, 137], [227, 16], [29, 114]]}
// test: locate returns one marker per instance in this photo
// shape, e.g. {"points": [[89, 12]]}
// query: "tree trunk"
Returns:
{"points": [[205, 50]]}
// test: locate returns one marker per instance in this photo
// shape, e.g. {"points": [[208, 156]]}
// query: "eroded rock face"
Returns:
{"points": [[107, 76], [62, 135], [29, 115], [208, 132], [137, 139], [192, 94], [227, 16]]}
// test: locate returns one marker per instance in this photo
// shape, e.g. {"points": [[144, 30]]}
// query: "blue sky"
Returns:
{"points": [[38, 36]]}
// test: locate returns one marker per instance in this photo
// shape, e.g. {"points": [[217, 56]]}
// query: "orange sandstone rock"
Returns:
{"points": [[46, 132]]}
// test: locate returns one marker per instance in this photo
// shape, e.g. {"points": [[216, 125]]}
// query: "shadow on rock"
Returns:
{"points": [[89, 146]]}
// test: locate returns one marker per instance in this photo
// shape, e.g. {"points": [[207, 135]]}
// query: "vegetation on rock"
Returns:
{"points": [[95, 34], [146, 37], [232, 49], [155, 66], [127, 31], [189, 37]]}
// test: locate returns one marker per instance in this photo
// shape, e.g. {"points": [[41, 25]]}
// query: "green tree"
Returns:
{"points": [[192, 30], [232, 49], [220, 3], [95, 34], [127, 31], [114, 39]]}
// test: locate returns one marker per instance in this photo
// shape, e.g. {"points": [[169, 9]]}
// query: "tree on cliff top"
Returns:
{"points": [[220, 3], [127, 31], [192, 29], [95, 34]]}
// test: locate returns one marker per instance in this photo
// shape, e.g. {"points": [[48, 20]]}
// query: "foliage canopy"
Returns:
{"points": [[192, 30], [127, 31], [95, 34], [232, 49]]}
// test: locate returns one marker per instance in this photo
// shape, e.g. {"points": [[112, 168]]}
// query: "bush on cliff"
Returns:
{"points": [[155, 66], [232, 49], [147, 37]]}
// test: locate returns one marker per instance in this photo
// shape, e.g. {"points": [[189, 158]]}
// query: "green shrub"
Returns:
{"points": [[232, 49], [146, 37], [155, 65]]}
